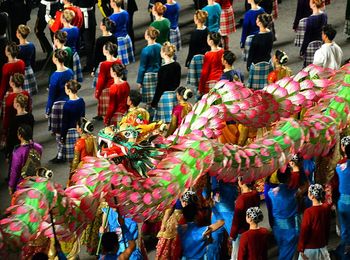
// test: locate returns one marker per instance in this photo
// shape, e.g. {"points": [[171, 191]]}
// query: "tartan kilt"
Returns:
{"points": [[227, 21], [195, 70], [30, 84], [56, 116], [347, 27], [275, 9], [149, 85], [116, 118], [248, 42], [125, 51], [68, 148], [165, 107], [310, 52], [77, 71], [175, 38], [94, 81], [299, 35], [258, 74], [103, 102]]}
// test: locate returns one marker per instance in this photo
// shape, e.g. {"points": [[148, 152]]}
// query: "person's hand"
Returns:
{"points": [[92, 74], [139, 86], [303, 256], [101, 230], [207, 232], [10, 191], [47, 116]]}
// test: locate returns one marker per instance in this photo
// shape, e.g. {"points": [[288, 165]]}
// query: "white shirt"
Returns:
{"points": [[329, 55]]}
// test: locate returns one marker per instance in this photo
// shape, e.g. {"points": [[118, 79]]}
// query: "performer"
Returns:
{"points": [[59, 41], [214, 12], [279, 59], [303, 11], [136, 115], [227, 21], [172, 14], [160, 23], [230, 73]]}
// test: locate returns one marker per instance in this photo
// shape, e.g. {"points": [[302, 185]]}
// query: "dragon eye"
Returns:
{"points": [[128, 134]]}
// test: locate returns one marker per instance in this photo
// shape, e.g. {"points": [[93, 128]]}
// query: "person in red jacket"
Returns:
{"points": [[254, 242], [227, 21], [248, 198], [212, 64], [12, 66], [315, 226]]}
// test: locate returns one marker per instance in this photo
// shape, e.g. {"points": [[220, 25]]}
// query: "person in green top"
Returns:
{"points": [[160, 23]]}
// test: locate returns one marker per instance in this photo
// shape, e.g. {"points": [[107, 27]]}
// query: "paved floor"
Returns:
{"points": [[285, 37]]}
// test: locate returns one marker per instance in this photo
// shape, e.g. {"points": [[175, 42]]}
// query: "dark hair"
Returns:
{"points": [[109, 24], [73, 86], [135, 97], [61, 36], [3, 23], [111, 48], [25, 131], [119, 69], [17, 79], [229, 57], [40, 256], [60, 55], [110, 242], [257, 1], [190, 212], [283, 177], [215, 37], [13, 49], [347, 151], [185, 93], [329, 31], [85, 125], [265, 19], [281, 57]]}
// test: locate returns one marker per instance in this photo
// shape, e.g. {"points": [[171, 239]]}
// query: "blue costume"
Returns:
{"points": [[73, 110], [128, 231], [213, 21], [72, 38], [150, 61], [285, 227], [121, 21], [27, 54], [249, 24]]}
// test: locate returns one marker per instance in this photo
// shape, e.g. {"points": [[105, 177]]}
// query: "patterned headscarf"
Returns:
{"points": [[345, 140], [295, 158], [255, 214], [189, 197], [317, 191]]}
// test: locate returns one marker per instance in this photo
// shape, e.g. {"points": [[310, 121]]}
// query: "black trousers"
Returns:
{"points": [[88, 36]]}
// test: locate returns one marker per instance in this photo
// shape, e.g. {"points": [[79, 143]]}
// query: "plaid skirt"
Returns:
{"points": [[275, 9], [258, 74], [103, 102], [227, 21], [55, 118], [149, 85], [248, 42], [94, 81], [68, 148], [299, 36], [125, 51], [78, 73], [30, 84], [310, 52], [347, 27], [195, 70], [116, 118], [175, 38], [165, 107]]}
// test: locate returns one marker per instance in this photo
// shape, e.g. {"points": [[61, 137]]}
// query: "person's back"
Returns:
{"points": [[254, 244]]}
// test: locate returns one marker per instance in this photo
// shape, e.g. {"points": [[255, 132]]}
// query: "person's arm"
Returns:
{"points": [[305, 229], [4, 80], [166, 216], [52, 92], [243, 248], [112, 105], [76, 158], [191, 48], [142, 67], [239, 210], [16, 166], [252, 51], [159, 89], [101, 80], [319, 58], [213, 227], [177, 75], [65, 121], [204, 74], [244, 29], [306, 40], [32, 60], [128, 251]]}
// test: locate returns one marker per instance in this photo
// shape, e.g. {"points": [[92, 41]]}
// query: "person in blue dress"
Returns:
{"points": [[72, 31], [285, 216], [127, 232], [172, 14], [214, 12]]}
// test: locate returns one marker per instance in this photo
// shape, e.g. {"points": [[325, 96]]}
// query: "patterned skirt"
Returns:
{"points": [[116, 118], [195, 70], [175, 38], [68, 148], [209, 85], [30, 84], [347, 27], [300, 32], [55, 118], [149, 85], [94, 81], [78, 73], [103, 102], [258, 74], [125, 51], [165, 106], [310, 52], [227, 21]]}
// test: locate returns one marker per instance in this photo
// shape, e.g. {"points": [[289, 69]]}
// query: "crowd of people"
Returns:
{"points": [[214, 220]]}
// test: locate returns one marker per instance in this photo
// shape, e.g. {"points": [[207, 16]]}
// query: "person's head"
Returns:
{"points": [[264, 20], [60, 37], [158, 9], [316, 192], [25, 133], [214, 39], [12, 50], [190, 212], [228, 58], [318, 4], [183, 93], [344, 142], [108, 25], [117, 70], [254, 2], [22, 31], [16, 80], [110, 242], [110, 49], [168, 50], [347, 151], [280, 57], [3, 23], [116, 3], [200, 16], [242, 185], [328, 33], [151, 33], [44, 173], [40, 256], [296, 161], [20, 102], [72, 87], [283, 177], [68, 16], [254, 215], [84, 126], [134, 98], [59, 56]]}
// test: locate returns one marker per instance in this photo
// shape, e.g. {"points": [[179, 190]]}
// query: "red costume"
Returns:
{"points": [[105, 79], [315, 228], [118, 95], [212, 69], [9, 109], [254, 244], [224, 3], [8, 70], [78, 20], [243, 202]]}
